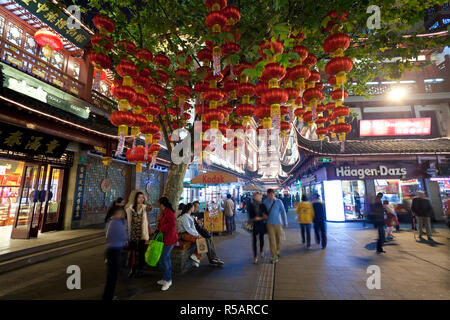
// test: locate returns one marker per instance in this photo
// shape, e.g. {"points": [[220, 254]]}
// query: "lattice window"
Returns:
{"points": [[14, 34], [76, 70], [30, 45], [2, 25], [57, 59]]}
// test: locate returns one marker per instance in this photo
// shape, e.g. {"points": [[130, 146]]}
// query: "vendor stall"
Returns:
{"points": [[214, 219]]}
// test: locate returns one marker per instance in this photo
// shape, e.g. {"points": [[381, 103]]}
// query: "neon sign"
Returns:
{"points": [[395, 127]]}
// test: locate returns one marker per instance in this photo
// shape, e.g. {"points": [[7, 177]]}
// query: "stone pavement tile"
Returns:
{"points": [[352, 296], [382, 297], [299, 294], [332, 296], [231, 295]]}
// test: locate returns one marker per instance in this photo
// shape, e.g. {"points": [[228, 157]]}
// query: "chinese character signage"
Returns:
{"points": [[48, 13], [79, 192], [34, 88], [395, 127], [19, 139]]}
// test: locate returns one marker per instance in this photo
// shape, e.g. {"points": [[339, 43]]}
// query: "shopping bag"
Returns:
{"points": [[202, 247], [154, 250]]}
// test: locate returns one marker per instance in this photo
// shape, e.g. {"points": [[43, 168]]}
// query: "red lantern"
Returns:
{"points": [[233, 15], [339, 94], [127, 46], [273, 71], [102, 41], [275, 47], [125, 95], [100, 60], [310, 61], [342, 129], [230, 48], [126, 69], [122, 120], [339, 66], [161, 60], [246, 111], [336, 44], [144, 55], [274, 96], [321, 132], [151, 111], [299, 112], [103, 24], [137, 156], [49, 41], [154, 149], [215, 5], [215, 21], [311, 94]]}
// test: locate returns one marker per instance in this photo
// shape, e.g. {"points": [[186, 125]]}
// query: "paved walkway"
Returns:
{"points": [[409, 270]]}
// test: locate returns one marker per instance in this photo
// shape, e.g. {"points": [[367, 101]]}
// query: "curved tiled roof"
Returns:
{"points": [[385, 146]]}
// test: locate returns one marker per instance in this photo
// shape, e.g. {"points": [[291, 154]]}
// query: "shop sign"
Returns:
{"points": [[308, 180], [395, 127], [51, 15], [79, 192], [34, 88], [362, 173], [19, 139], [214, 177]]}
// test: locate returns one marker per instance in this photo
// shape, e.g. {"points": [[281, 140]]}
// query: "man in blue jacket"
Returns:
{"points": [[276, 219]]}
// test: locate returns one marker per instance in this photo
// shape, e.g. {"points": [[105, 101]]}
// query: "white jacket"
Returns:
{"points": [[129, 210], [228, 208]]}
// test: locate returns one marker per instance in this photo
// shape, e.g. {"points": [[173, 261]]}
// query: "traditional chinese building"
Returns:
{"points": [[55, 134]]}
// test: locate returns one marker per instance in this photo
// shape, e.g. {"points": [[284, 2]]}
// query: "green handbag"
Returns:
{"points": [[154, 250]]}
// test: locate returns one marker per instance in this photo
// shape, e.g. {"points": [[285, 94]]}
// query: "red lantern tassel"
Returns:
{"points": [[216, 61], [120, 145], [146, 151], [134, 145]]}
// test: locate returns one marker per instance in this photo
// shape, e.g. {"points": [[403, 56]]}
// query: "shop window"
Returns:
{"points": [[57, 60], [396, 191], [14, 34], [76, 70], [10, 179], [354, 195]]}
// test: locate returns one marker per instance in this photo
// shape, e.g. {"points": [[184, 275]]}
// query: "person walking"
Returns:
{"points": [[305, 217], [138, 230], [256, 213], [421, 208], [357, 200], [276, 219], [116, 240], [228, 208], [377, 218], [320, 217], [168, 227]]}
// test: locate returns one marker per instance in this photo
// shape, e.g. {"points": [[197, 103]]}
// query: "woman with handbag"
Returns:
{"points": [[257, 213], [188, 232], [168, 227]]}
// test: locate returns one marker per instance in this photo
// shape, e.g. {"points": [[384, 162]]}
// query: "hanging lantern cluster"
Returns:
{"points": [[338, 68]]}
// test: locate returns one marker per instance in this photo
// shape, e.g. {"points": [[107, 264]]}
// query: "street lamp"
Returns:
{"points": [[397, 93]]}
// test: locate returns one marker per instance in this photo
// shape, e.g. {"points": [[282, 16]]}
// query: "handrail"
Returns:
{"points": [[50, 66]]}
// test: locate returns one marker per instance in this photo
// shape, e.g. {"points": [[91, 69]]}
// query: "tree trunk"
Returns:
{"points": [[174, 183]]}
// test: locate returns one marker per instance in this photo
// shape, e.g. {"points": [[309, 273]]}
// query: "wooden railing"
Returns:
{"points": [[38, 68]]}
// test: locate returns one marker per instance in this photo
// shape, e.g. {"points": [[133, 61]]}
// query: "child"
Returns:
{"points": [[116, 239], [391, 219]]}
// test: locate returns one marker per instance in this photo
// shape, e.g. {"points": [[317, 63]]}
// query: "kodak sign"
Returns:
{"points": [[214, 177]]}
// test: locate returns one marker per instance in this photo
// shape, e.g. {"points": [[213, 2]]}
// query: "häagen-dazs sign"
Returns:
{"points": [[361, 173]]}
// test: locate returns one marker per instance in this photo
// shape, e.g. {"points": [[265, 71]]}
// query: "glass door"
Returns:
{"points": [[40, 201], [52, 208], [28, 197]]}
